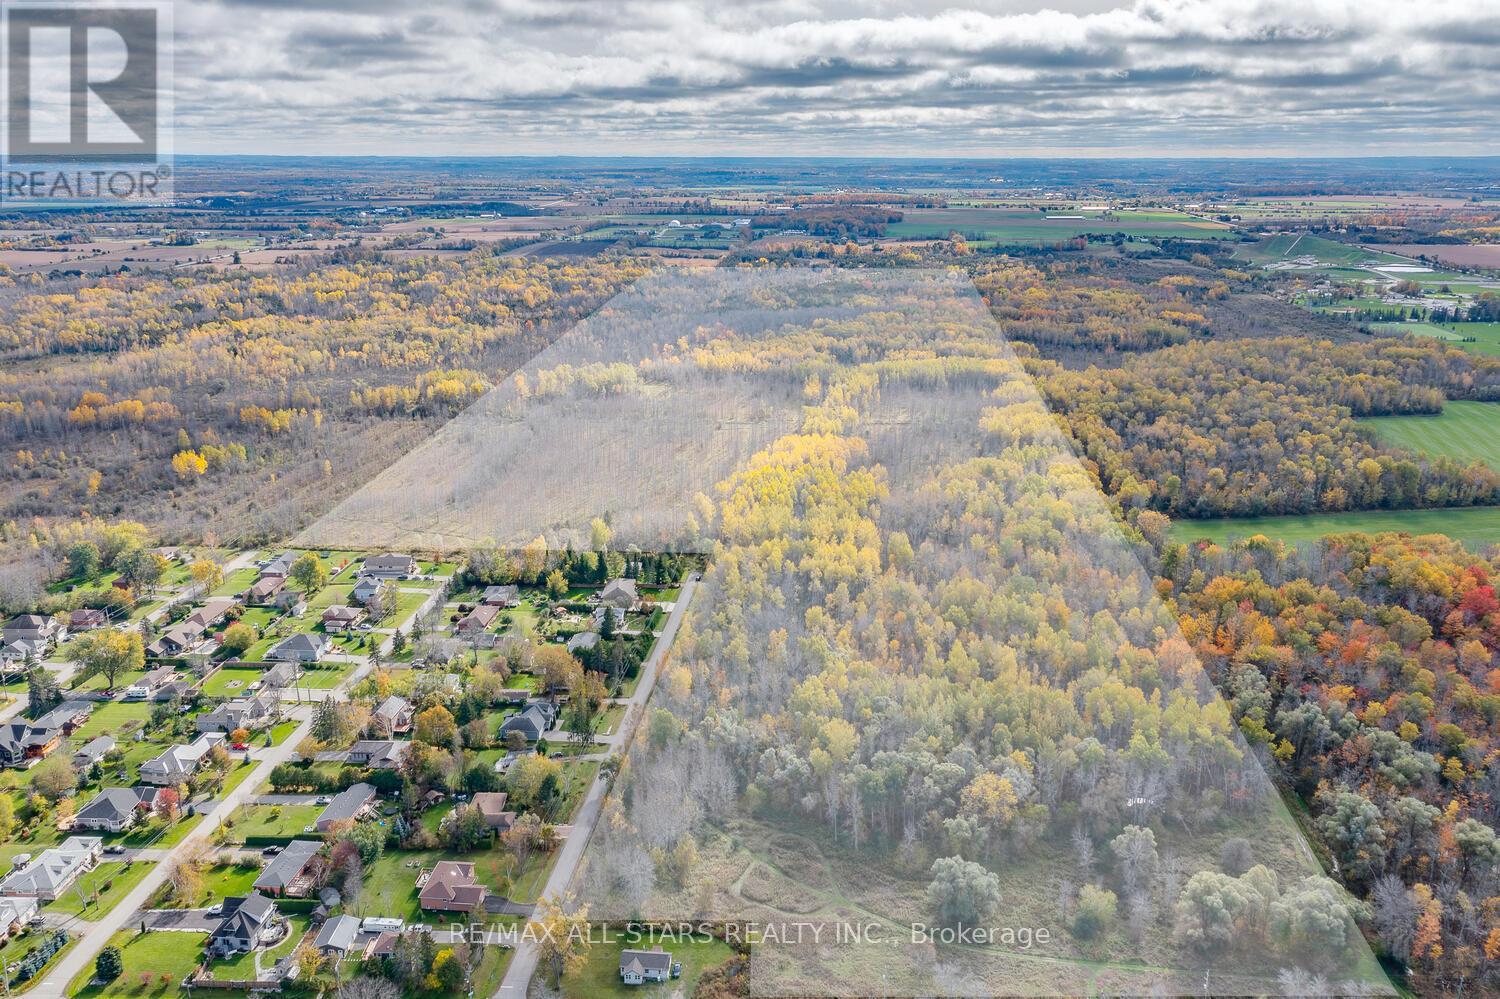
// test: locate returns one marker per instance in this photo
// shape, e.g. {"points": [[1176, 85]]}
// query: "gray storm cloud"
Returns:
{"points": [[675, 76]]}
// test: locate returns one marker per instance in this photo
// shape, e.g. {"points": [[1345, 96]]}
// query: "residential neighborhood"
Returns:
{"points": [[308, 782]]}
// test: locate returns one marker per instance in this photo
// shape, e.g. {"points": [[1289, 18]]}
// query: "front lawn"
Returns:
{"points": [[168, 956], [219, 882], [326, 676], [101, 888], [600, 975], [272, 821]]}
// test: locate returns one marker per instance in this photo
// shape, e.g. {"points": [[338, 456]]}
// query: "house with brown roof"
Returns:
{"points": [[339, 619], [264, 589], [478, 619], [491, 805], [87, 619], [450, 887]]}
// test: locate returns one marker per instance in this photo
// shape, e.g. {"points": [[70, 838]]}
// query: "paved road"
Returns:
{"points": [[523, 963], [97, 934]]}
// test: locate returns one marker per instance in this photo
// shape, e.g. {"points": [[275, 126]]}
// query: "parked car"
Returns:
{"points": [[270, 851], [114, 849], [323, 799]]}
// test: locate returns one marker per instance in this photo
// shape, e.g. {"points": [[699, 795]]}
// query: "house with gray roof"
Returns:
{"points": [[378, 754], [16, 912], [336, 938], [286, 876], [301, 648], [279, 676], [394, 715], [640, 966], [93, 751], [620, 593], [116, 809], [246, 920], [52, 873], [583, 641], [179, 762], [249, 713], [507, 595], [347, 806], [533, 723], [391, 565]]}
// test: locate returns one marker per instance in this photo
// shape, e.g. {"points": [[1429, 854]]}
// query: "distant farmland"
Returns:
{"points": [[1458, 254], [1029, 225], [1465, 431], [1478, 527]]}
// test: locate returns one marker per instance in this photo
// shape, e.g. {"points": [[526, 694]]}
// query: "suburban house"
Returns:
{"points": [[533, 723], [394, 715], [640, 966], [22, 743], [180, 762], [149, 684], [293, 602], [116, 809], [287, 876], [34, 628], [378, 754], [175, 641], [246, 920], [93, 751], [336, 938], [67, 717], [281, 565], [478, 619], [491, 805], [508, 595], [50, 874], [250, 713], [211, 613], [583, 641], [339, 619], [347, 806], [617, 612], [450, 887], [15, 913], [264, 589], [366, 588], [301, 648], [279, 676], [19, 651], [620, 593], [87, 619], [389, 566]]}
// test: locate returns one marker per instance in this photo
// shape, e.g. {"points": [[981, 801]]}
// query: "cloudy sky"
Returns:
{"points": [[838, 77]]}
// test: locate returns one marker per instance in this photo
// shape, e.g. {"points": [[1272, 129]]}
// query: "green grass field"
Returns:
{"points": [[1466, 431], [1477, 527], [1029, 225], [600, 976], [1485, 336]]}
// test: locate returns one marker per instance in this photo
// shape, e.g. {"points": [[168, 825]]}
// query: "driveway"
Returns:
{"points": [[498, 905], [194, 920]]}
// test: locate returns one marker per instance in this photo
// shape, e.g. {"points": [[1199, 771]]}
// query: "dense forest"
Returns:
{"points": [[241, 403], [933, 675]]}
